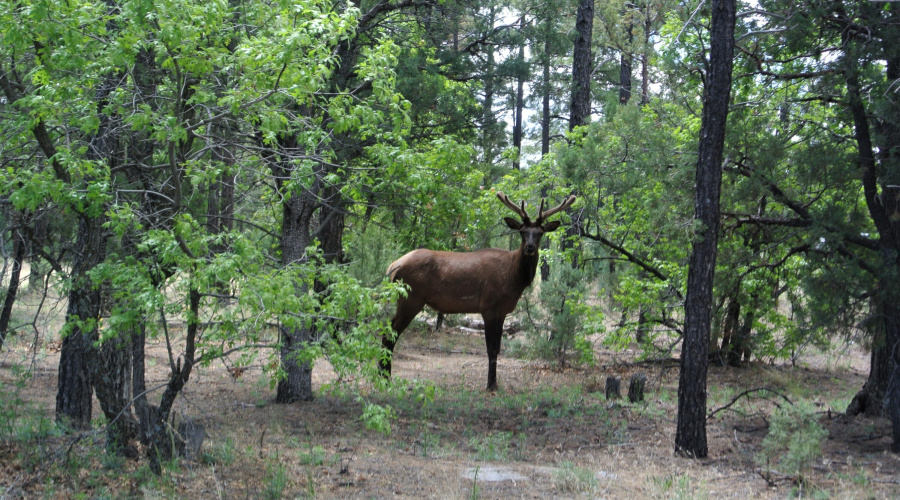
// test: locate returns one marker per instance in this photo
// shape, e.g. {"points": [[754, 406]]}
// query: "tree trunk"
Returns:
{"points": [[520, 103], [297, 212], [645, 59], [545, 138], [12, 290], [582, 66], [162, 441], [489, 121], [881, 392], [139, 383], [74, 389], [625, 59], [112, 376], [690, 434], [545, 98]]}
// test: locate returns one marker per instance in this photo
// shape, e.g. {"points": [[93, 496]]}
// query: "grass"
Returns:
{"points": [[275, 481], [498, 447], [220, 453], [677, 487], [439, 429], [569, 479]]}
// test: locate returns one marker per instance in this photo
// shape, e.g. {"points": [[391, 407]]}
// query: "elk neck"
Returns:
{"points": [[526, 266]]}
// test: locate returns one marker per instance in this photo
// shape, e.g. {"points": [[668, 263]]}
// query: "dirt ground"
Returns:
{"points": [[547, 433]]}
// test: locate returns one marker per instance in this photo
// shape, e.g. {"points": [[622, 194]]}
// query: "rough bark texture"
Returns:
{"points": [[297, 213], [613, 388], [13, 289], [582, 66], [163, 443], [881, 393], [625, 61], [636, 387], [74, 388], [111, 372], [690, 434], [545, 99], [520, 105]]}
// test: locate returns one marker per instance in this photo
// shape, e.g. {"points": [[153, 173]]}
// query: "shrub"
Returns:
{"points": [[555, 321], [794, 440]]}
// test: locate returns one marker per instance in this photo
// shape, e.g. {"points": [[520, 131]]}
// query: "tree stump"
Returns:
{"points": [[191, 435], [612, 388], [636, 387]]}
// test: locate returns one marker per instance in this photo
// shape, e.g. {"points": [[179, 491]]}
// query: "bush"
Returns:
{"points": [[794, 441], [555, 321]]}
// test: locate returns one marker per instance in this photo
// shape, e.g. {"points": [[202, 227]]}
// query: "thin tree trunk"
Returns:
{"points": [[161, 440], [690, 434], [12, 290], [645, 60], [582, 66], [545, 99], [625, 60], [520, 105], [297, 213]]}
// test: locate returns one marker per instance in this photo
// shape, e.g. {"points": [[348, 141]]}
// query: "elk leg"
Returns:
{"points": [[493, 332], [406, 311]]}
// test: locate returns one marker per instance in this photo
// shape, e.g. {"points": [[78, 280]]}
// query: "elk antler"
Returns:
{"points": [[520, 211], [562, 206], [541, 214]]}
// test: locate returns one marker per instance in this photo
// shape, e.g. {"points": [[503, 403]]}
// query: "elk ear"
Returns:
{"points": [[512, 223], [551, 226]]}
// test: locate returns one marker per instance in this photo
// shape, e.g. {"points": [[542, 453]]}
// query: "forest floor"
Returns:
{"points": [[546, 433]]}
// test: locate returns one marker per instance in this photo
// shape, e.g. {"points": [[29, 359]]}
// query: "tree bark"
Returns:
{"points": [[582, 66], [625, 60], [162, 441], [545, 98], [12, 290], [297, 214], [520, 105], [690, 434], [74, 388], [520, 101], [880, 394]]}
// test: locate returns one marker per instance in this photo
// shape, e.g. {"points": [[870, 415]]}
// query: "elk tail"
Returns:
{"points": [[392, 270]]}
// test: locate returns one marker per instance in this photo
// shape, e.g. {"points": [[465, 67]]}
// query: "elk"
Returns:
{"points": [[488, 281]]}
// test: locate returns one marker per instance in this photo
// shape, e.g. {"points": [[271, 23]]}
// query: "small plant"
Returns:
{"points": [[570, 479], [223, 453], [275, 481], [677, 487], [560, 308], [378, 418], [314, 456], [474, 494], [497, 447], [794, 441]]}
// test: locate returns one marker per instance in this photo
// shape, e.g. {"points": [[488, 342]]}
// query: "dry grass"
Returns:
{"points": [[552, 427]]}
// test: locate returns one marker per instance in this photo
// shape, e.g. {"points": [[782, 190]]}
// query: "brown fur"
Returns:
{"points": [[489, 282]]}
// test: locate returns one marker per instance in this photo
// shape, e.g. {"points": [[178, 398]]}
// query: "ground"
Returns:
{"points": [[547, 433]]}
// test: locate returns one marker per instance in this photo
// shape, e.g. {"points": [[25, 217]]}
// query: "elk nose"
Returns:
{"points": [[530, 249]]}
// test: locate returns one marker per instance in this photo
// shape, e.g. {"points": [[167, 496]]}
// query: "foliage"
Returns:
{"points": [[378, 418], [794, 441], [557, 322], [497, 447]]}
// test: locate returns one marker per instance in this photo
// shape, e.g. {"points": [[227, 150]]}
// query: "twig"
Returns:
{"points": [[747, 392]]}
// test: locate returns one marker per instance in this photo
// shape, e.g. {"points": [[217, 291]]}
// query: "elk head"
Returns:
{"points": [[531, 231]]}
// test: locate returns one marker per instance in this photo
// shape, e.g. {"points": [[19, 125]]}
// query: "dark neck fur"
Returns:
{"points": [[527, 267]]}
